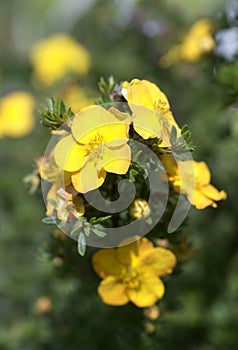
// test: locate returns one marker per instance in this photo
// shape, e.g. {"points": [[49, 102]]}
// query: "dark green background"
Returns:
{"points": [[204, 297]]}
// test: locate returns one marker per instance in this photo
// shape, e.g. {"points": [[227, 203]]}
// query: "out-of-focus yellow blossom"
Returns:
{"points": [[16, 114], [75, 98], [196, 42], [152, 313], [151, 116], [97, 145], [43, 305], [139, 209], [196, 182], [58, 55], [132, 273], [149, 328]]}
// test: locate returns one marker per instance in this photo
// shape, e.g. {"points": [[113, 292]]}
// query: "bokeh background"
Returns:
{"points": [[44, 306]]}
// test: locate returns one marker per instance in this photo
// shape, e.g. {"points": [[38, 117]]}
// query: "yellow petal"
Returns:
{"points": [[145, 93], [17, 114], [89, 178], [69, 155], [122, 116], [160, 261], [53, 196], [146, 121], [116, 160], [112, 292], [200, 201], [93, 121], [150, 291], [211, 192], [129, 254], [170, 165], [202, 173], [105, 263], [67, 179]]}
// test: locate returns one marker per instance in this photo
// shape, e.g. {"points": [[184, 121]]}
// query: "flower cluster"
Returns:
{"points": [[93, 149]]}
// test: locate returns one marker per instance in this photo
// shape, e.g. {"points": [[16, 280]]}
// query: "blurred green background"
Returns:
{"points": [[125, 39]]}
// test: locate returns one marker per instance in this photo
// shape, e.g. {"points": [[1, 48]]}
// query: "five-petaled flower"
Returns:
{"points": [[132, 273], [151, 114], [194, 182], [97, 145]]}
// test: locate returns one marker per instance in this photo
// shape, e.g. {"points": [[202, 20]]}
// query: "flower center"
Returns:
{"points": [[95, 148], [161, 106], [130, 278]]}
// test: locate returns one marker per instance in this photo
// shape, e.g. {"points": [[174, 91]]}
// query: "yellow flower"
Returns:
{"points": [[132, 273], [196, 182], [75, 98], [196, 42], [56, 56], [97, 145], [152, 116], [64, 203], [16, 114], [139, 208]]}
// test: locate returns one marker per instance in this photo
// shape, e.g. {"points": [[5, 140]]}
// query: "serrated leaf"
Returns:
{"points": [[82, 246]]}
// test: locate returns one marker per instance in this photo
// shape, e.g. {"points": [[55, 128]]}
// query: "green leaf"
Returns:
{"points": [[82, 246], [99, 233], [51, 201], [76, 231], [95, 221], [173, 136], [51, 220]]}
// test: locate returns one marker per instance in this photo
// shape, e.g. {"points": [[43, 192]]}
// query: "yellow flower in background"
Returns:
{"points": [[196, 182], [132, 273], [43, 305], [17, 114], [97, 145], [196, 42], [75, 98], [152, 116], [56, 56]]}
